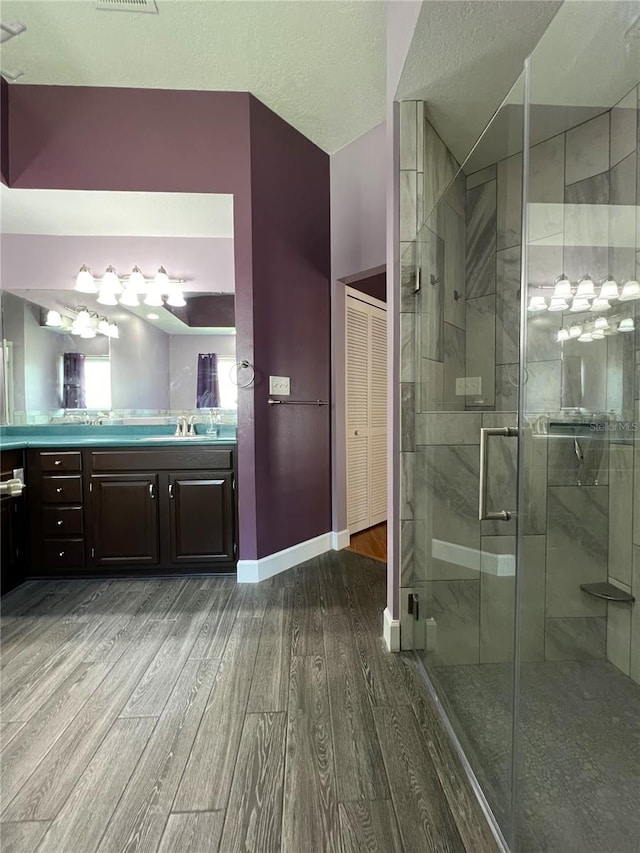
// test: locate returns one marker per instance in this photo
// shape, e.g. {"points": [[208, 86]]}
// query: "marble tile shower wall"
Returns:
{"points": [[464, 323]]}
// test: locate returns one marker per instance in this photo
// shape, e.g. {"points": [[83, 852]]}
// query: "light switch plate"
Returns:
{"points": [[280, 385], [18, 474]]}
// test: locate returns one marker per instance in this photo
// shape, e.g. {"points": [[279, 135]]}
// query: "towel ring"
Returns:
{"points": [[242, 365]]}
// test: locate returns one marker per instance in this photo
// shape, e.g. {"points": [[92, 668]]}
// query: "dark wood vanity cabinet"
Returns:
{"points": [[153, 510], [124, 517], [13, 543], [194, 499]]}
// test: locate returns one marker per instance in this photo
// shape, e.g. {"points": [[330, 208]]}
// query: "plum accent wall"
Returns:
{"points": [[62, 137]]}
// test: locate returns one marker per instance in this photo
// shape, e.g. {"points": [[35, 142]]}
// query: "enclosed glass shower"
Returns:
{"points": [[521, 439]]}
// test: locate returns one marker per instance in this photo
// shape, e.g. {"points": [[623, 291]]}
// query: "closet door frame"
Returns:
{"points": [[368, 301]]}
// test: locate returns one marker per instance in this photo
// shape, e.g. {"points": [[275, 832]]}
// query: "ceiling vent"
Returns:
{"points": [[148, 6]]}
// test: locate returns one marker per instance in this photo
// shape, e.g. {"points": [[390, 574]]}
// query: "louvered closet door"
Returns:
{"points": [[366, 351], [378, 416], [357, 354]]}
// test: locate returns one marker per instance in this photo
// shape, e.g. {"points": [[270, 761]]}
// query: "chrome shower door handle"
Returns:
{"points": [[485, 432]]}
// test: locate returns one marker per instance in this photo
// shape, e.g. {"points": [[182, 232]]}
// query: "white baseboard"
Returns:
{"points": [[391, 631], [254, 571], [340, 539]]}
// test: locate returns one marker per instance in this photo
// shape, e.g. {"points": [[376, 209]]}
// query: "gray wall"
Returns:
{"points": [[139, 367]]}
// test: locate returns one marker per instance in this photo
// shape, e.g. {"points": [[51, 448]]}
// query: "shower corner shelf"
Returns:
{"points": [[608, 591]]}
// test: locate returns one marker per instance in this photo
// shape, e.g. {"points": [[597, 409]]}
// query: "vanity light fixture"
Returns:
{"points": [[586, 288], [54, 319], [630, 290], [627, 325], [580, 303], [575, 331], [130, 290], [563, 335], [609, 288], [585, 338], [601, 324], [558, 305], [600, 304], [562, 288], [537, 304], [85, 282]]}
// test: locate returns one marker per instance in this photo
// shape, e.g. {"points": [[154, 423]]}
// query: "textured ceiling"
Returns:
{"points": [[464, 58], [319, 64]]}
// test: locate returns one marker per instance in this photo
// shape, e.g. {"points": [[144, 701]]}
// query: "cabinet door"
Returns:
{"points": [[201, 516], [12, 543], [124, 512]]}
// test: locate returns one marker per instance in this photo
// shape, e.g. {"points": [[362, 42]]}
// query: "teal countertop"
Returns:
{"points": [[79, 435]]}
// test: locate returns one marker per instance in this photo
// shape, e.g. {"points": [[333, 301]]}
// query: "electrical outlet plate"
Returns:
{"points": [[280, 385], [468, 385]]}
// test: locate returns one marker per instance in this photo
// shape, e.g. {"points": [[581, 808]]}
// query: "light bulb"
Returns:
{"points": [[580, 304], [54, 319], [137, 282], [87, 332], [85, 282], [600, 304], [563, 335], [575, 331], [113, 331], [536, 304], [176, 298], [558, 305], [129, 296], [83, 318], [106, 296], [627, 325], [111, 281], [586, 288], [161, 280], [609, 289], [103, 326], [601, 324], [153, 297], [562, 290], [630, 290]]}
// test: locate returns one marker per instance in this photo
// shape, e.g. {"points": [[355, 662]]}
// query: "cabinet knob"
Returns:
{"points": [[61, 554], [59, 490], [60, 522], [58, 462]]}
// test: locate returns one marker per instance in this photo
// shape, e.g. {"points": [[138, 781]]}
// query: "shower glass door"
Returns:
{"points": [[463, 523], [578, 679]]}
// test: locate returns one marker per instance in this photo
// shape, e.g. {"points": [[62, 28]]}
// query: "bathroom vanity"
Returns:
{"points": [[132, 505]]}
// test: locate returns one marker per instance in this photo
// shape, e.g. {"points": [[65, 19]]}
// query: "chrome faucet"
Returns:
{"points": [[192, 425], [181, 425]]}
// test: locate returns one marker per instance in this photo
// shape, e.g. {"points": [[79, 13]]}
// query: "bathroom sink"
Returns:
{"points": [[179, 438]]}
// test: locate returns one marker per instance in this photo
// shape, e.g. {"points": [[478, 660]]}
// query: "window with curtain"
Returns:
{"points": [[207, 392], [73, 381]]}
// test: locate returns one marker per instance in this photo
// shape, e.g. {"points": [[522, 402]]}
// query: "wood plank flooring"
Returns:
{"points": [[200, 716], [371, 542]]}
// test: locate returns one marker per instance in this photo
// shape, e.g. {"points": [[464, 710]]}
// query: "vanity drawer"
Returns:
{"points": [[64, 553], [62, 490], [62, 521], [67, 460]]}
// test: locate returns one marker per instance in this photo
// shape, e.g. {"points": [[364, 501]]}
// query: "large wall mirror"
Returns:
{"points": [[142, 345]]}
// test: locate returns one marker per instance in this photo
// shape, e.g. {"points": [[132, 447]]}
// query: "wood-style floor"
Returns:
{"points": [[371, 542], [193, 716]]}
